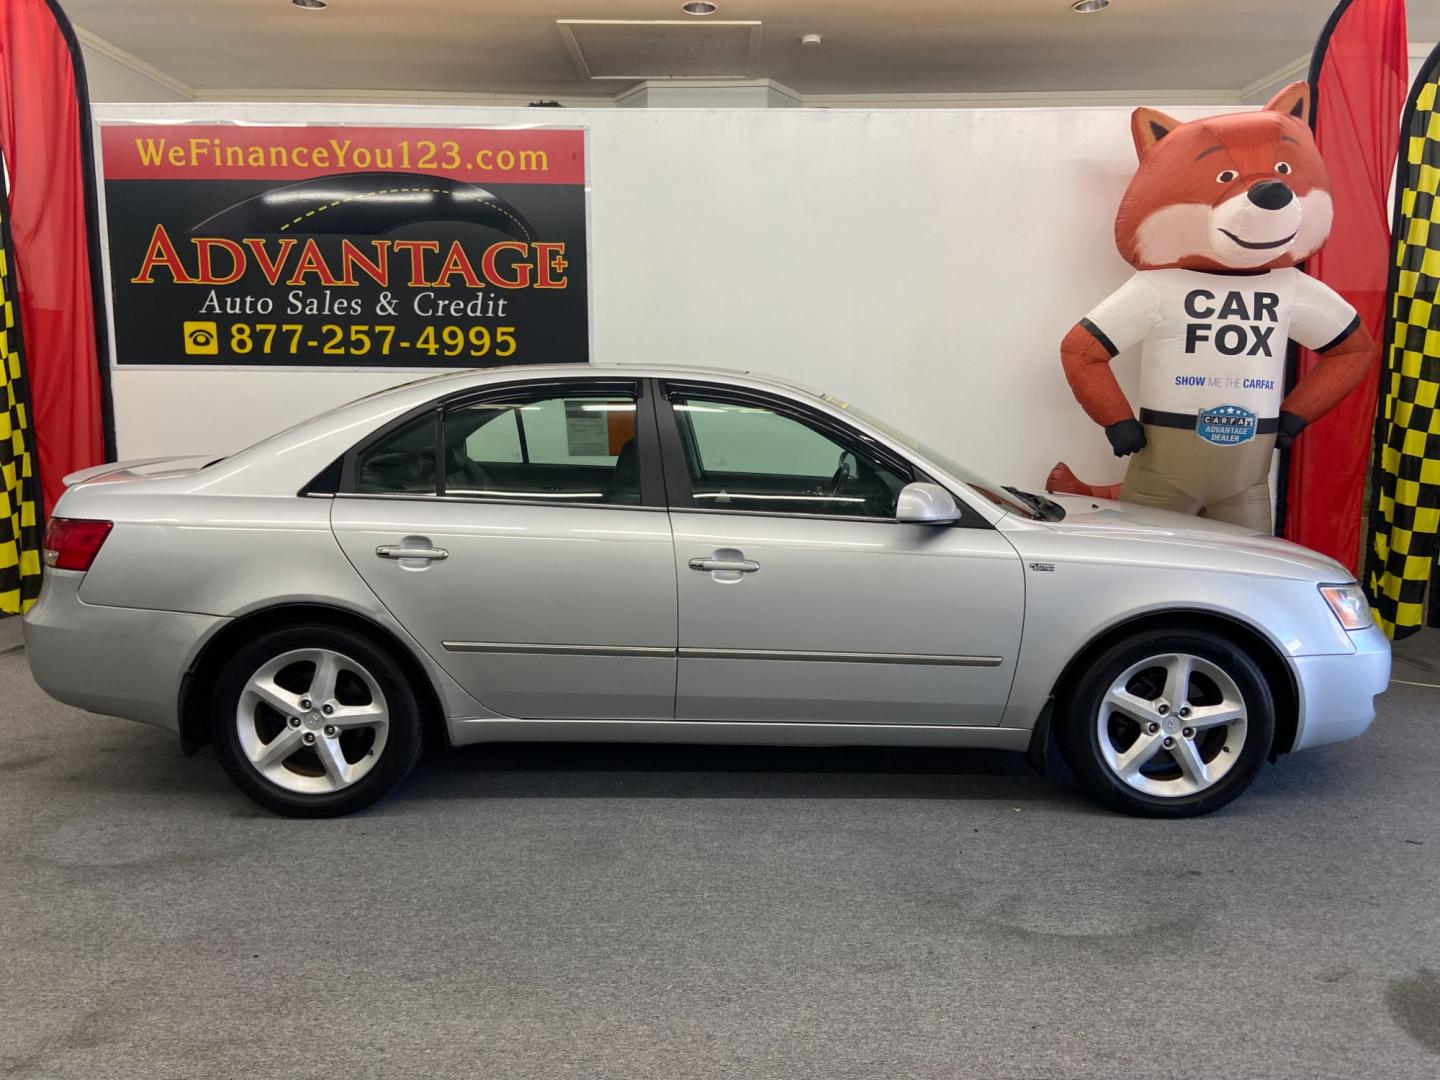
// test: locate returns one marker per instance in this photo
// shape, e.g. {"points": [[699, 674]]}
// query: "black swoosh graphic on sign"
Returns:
{"points": [[366, 204]]}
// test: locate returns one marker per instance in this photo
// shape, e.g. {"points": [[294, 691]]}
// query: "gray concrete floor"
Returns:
{"points": [[593, 912]]}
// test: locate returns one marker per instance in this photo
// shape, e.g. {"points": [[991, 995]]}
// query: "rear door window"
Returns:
{"points": [[575, 448], [402, 463]]}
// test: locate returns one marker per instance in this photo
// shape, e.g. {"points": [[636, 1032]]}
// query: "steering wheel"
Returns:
{"points": [[843, 474]]}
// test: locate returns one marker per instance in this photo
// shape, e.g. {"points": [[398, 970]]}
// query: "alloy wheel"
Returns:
{"points": [[312, 721], [1172, 725]]}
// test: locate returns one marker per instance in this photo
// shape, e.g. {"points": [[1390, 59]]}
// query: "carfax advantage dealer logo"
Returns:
{"points": [[1226, 425], [346, 246]]}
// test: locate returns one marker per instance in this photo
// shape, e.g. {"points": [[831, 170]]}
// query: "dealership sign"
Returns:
{"points": [[312, 246]]}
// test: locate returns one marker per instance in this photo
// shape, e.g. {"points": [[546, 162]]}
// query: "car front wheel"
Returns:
{"points": [[1168, 725], [315, 721]]}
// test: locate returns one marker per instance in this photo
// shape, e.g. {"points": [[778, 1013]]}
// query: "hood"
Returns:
{"points": [[115, 472], [1194, 541]]}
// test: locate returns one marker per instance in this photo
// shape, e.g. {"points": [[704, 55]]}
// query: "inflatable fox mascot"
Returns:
{"points": [[1219, 212]]}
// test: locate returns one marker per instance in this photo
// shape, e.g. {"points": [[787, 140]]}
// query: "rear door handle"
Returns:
{"points": [[400, 551], [738, 566]]}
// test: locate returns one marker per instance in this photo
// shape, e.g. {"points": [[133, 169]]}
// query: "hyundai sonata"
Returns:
{"points": [[676, 555]]}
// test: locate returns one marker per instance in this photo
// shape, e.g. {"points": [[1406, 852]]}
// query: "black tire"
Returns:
{"points": [[1077, 728], [396, 758]]}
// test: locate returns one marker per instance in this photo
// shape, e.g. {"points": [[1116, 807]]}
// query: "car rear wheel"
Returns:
{"points": [[1168, 725], [315, 721]]}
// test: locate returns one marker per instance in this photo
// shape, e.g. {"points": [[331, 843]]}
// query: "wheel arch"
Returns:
{"points": [[1266, 654], [199, 679]]}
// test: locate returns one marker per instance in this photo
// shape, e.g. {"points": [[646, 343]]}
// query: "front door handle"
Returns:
{"points": [[710, 566], [400, 551], [725, 564]]}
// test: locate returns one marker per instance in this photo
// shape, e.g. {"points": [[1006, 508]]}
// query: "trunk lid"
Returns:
{"points": [[116, 472]]}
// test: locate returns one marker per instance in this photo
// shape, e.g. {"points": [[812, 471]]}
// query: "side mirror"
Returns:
{"points": [[926, 504]]}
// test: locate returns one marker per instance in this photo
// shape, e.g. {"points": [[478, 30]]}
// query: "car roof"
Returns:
{"points": [[481, 376]]}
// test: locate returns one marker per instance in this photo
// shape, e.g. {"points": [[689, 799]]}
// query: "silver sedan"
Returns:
{"points": [[676, 555]]}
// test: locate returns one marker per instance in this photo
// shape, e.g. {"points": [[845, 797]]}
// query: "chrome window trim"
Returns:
{"points": [[403, 496], [481, 501], [717, 511]]}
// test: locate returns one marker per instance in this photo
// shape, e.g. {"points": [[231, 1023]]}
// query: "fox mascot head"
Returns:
{"points": [[1244, 191]]}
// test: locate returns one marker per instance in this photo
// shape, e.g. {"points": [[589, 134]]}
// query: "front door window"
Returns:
{"points": [[753, 458]]}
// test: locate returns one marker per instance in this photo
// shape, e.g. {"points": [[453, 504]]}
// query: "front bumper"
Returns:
{"points": [[1337, 692], [118, 661]]}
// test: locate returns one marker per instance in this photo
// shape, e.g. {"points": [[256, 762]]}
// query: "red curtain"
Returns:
{"points": [[1358, 79], [44, 136]]}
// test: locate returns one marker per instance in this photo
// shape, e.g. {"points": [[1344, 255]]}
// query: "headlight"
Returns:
{"points": [[1349, 605]]}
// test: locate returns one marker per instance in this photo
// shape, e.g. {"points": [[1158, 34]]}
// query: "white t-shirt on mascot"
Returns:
{"points": [[1214, 344]]}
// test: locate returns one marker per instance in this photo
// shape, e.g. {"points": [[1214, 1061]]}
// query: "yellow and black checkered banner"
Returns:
{"points": [[1405, 488], [19, 493]]}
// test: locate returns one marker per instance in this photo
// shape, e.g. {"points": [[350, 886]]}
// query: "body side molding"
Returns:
{"points": [[534, 648]]}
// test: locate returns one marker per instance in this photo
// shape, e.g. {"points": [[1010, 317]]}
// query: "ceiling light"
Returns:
{"points": [[309, 5], [811, 39], [1085, 7], [699, 7]]}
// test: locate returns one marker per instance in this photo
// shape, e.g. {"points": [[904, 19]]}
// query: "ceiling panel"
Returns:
{"points": [[662, 48], [903, 46]]}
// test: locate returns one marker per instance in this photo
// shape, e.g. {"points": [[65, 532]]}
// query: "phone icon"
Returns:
{"points": [[201, 339]]}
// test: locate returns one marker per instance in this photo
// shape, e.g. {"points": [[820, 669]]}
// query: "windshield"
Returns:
{"points": [[973, 480]]}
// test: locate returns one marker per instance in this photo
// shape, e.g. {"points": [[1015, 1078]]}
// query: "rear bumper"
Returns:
{"points": [[118, 661], [1337, 693]]}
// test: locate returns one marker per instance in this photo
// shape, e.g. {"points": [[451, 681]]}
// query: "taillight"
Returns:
{"points": [[73, 543]]}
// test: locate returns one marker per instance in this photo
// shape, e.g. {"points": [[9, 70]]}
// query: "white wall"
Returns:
{"points": [[1419, 51], [923, 264]]}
